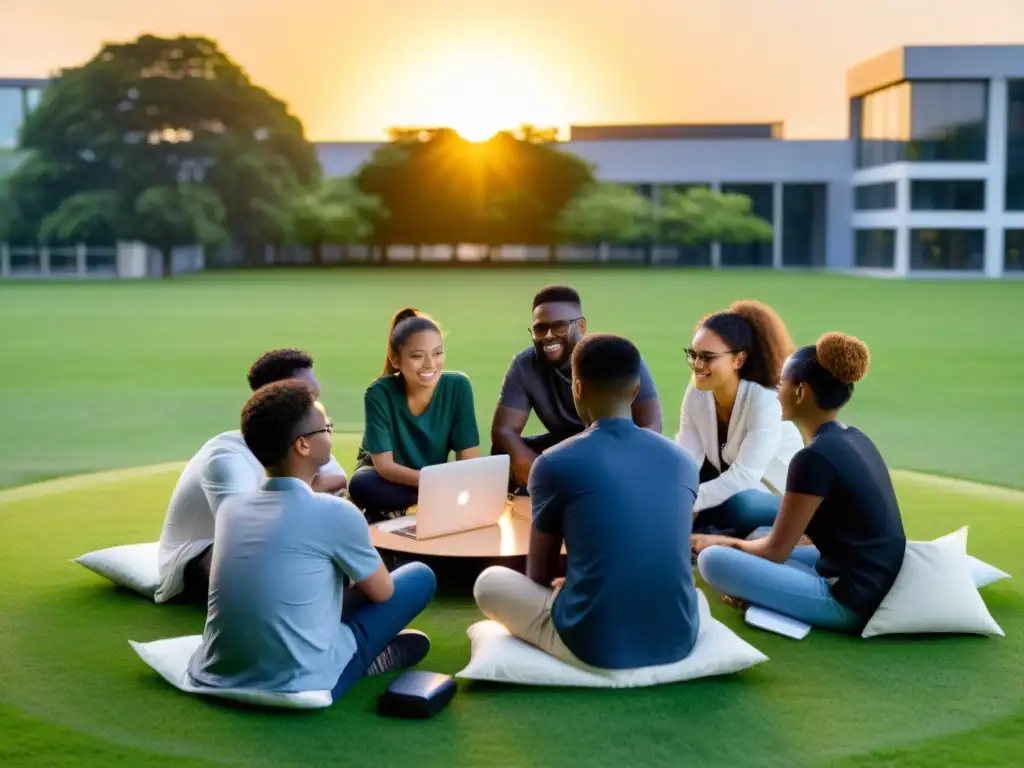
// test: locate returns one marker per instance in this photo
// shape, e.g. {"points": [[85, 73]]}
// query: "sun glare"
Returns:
{"points": [[481, 91]]}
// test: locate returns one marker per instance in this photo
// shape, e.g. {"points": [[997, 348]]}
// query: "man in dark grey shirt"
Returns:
{"points": [[539, 380]]}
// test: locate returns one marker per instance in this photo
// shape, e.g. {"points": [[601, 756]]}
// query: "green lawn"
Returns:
{"points": [[102, 376]]}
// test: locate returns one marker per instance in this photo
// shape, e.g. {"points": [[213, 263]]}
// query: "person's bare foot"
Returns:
{"points": [[734, 602]]}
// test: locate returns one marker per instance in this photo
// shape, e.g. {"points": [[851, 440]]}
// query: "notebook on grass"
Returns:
{"points": [[771, 621]]}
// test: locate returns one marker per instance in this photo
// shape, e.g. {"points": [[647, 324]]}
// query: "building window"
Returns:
{"points": [[1015, 146], [875, 197], [947, 249], [874, 248], [10, 117], [1013, 255], [884, 126], [923, 121], [804, 224], [762, 201], [929, 195]]}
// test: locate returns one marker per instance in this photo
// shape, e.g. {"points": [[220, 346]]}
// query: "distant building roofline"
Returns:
{"points": [[654, 131], [24, 82]]}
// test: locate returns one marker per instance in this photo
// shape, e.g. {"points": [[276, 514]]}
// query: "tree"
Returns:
{"points": [[84, 217], [440, 188], [606, 213], [701, 215], [154, 114], [180, 215], [335, 212]]}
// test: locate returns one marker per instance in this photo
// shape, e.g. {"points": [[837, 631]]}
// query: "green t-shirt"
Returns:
{"points": [[448, 423]]}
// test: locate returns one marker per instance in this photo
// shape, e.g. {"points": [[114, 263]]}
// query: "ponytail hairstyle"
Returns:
{"points": [[406, 323], [830, 368], [755, 328]]}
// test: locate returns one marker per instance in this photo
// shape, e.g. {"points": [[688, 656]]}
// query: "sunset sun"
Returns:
{"points": [[480, 91]]}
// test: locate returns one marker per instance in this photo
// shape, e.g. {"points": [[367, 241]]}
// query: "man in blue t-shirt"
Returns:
{"points": [[280, 554], [621, 498]]}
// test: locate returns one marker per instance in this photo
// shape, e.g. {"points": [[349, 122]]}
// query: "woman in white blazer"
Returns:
{"points": [[731, 421]]}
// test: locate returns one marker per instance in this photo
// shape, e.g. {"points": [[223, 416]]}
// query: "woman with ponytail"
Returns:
{"points": [[416, 413], [839, 493], [731, 422]]}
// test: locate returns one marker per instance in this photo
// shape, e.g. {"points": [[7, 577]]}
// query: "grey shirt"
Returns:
{"points": [[530, 383], [274, 616]]}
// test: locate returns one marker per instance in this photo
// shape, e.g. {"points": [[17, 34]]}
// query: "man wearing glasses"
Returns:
{"points": [[539, 380]]}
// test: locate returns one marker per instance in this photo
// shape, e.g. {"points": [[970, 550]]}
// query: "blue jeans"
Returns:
{"points": [[792, 588], [376, 624], [740, 514], [378, 497]]}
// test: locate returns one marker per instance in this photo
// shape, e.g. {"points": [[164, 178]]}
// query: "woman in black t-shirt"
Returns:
{"points": [[838, 492]]}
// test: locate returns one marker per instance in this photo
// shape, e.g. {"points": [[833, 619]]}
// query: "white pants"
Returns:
{"points": [[523, 607]]}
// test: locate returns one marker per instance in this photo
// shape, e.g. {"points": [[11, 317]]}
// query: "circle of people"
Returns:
{"points": [[777, 502]]}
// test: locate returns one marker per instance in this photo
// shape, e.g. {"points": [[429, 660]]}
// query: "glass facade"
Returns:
{"points": [[11, 116], [1013, 253], [875, 197], [923, 121], [762, 204], [1015, 146], [953, 195], [804, 217], [947, 249], [874, 248]]}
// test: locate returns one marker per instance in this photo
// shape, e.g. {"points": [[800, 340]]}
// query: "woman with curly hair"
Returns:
{"points": [[839, 493], [731, 422]]}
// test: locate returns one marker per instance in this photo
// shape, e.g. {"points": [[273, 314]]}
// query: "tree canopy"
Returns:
{"points": [[170, 120], [441, 188]]}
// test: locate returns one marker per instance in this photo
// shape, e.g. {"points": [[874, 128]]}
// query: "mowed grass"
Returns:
{"points": [[102, 376], [121, 374]]}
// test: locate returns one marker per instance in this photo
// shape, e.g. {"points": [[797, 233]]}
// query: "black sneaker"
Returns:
{"points": [[409, 647]]}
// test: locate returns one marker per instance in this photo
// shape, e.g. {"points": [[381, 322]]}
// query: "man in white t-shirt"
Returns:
{"points": [[224, 466]]}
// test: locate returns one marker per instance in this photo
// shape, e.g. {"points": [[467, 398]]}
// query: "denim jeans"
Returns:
{"points": [[378, 497], [376, 624], [792, 588], [740, 514]]}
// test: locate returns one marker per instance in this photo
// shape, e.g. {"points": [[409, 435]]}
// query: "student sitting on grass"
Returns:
{"points": [[838, 492], [731, 421], [275, 620], [415, 414], [621, 497], [539, 380], [221, 468]]}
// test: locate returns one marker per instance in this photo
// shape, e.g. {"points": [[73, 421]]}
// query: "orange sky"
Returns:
{"points": [[351, 68]]}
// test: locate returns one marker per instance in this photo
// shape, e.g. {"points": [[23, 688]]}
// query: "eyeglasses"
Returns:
{"points": [[692, 356], [557, 328], [329, 429]]}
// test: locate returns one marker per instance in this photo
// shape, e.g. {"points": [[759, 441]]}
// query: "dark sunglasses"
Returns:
{"points": [[557, 328]]}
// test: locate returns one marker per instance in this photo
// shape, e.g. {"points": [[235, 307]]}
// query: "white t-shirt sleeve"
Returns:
{"points": [[346, 536], [227, 474], [332, 468]]}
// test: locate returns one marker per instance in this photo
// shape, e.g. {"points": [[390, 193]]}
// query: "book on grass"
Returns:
{"points": [[771, 621]]}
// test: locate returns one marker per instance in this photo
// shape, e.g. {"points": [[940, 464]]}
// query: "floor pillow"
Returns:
{"points": [[497, 656], [170, 658], [934, 592], [133, 566]]}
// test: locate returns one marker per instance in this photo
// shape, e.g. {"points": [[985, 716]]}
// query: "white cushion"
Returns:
{"points": [[170, 659], [497, 656], [132, 565], [982, 573], [934, 592]]}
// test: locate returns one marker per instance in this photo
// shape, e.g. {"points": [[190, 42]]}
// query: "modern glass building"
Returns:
{"points": [[18, 97], [929, 181]]}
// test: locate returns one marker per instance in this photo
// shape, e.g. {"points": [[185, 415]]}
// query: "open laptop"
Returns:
{"points": [[456, 496]]}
